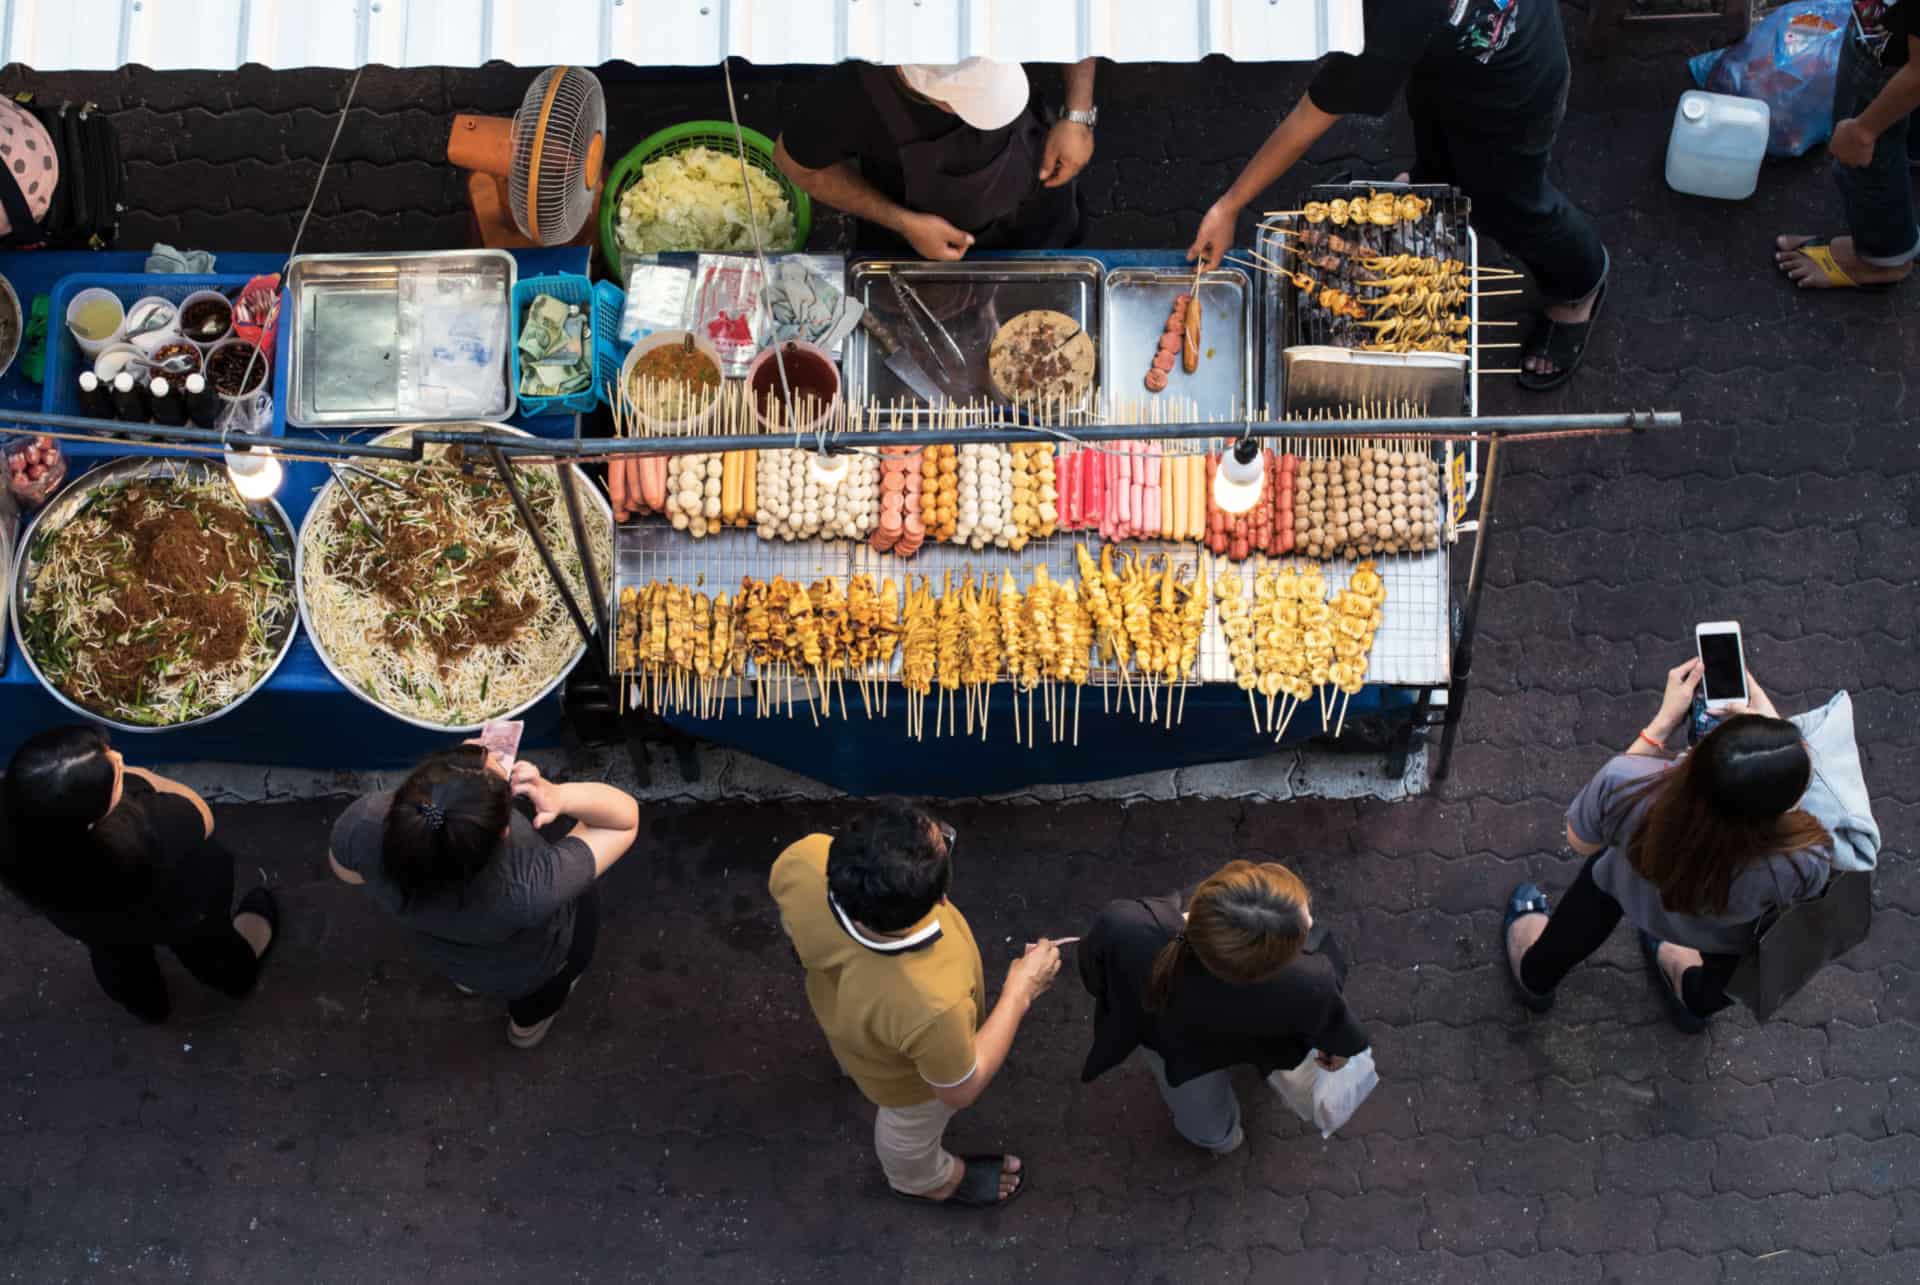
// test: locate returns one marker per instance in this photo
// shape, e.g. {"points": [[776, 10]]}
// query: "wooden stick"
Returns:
{"points": [[1345, 697]]}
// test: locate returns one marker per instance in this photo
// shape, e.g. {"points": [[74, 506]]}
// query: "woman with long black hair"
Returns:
{"points": [[123, 860], [1694, 851], [1233, 974], [495, 906]]}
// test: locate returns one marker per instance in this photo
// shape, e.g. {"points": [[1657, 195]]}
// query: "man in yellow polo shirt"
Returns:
{"points": [[895, 980]]}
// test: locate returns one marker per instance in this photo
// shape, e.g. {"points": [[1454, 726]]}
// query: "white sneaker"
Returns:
{"points": [[527, 1037], [1232, 1144]]}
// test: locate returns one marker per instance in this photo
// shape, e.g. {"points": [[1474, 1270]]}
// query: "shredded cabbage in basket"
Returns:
{"points": [[692, 200]]}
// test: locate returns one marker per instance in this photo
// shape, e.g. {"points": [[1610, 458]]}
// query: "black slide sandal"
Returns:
{"points": [[1684, 1018], [1526, 899], [1563, 343], [261, 902], [979, 1186]]}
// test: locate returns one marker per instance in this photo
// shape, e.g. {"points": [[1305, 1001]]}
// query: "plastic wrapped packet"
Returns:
{"points": [[807, 303], [656, 300], [35, 468]]}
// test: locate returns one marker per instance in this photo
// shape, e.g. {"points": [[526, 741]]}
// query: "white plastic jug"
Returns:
{"points": [[1717, 144]]}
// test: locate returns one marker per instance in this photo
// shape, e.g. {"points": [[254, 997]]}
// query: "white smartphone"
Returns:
{"points": [[1723, 663]]}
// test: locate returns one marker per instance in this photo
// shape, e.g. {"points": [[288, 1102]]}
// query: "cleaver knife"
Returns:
{"points": [[902, 363]]}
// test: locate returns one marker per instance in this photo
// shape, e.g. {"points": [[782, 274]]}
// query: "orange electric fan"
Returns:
{"points": [[535, 179]]}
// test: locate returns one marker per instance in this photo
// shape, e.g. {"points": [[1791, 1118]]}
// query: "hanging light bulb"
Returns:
{"points": [[1238, 478], [828, 470], [256, 472]]}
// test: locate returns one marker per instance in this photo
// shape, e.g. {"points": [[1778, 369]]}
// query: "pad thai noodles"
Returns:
{"points": [[441, 610], [159, 602]]}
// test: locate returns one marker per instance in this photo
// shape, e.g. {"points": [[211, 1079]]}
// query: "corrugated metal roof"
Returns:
{"points": [[84, 35]]}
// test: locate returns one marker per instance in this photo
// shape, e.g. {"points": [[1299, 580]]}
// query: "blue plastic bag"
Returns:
{"points": [[1789, 62]]}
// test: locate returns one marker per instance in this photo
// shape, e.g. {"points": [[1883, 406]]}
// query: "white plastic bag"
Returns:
{"points": [[1326, 1099]]}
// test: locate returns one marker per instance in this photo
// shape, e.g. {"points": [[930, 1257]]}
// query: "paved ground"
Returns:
{"points": [[358, 1121]]}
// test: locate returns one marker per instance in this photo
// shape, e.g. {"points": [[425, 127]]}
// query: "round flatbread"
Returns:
{"points": [[1041, 356]]}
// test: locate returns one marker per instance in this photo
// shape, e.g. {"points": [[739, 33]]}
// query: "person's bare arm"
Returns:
{"points": [[1029, 977], [1283, 149], [164, 785], [1580, 846], [1069, 145], [1855, 137], [846, 189], [607, 820]]}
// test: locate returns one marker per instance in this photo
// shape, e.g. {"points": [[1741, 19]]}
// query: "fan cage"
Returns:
{"points": [[564, 199]]}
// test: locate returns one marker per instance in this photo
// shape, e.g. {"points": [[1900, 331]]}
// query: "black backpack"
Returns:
{"points": [[85, 211]]}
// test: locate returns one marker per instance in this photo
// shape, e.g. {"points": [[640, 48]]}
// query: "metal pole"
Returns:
{"points": [[587, 566], [599, 448], [1462, 668], [531, 522], [112, 431]]}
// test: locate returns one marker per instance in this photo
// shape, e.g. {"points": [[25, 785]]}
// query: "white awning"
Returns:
{"points": [[99, 35]]}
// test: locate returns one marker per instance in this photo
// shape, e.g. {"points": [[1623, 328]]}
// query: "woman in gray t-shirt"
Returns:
{"points": [[494, 905], [1693, 851]]}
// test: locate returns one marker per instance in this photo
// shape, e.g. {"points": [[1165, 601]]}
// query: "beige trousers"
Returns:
{"points": [[908, 1142]]}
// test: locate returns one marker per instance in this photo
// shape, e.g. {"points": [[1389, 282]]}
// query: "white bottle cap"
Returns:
{"points": [[159, 386], [123, 382], [89, 380], [1693, 107], [196, 384]]}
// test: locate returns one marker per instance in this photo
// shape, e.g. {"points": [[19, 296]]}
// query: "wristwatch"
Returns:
{"points": [[1088, 117]]}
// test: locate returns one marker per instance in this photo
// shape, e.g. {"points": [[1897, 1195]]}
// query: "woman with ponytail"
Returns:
{"points": [[123, 860], [494, 905], [1233, 974], [1694, 852]]}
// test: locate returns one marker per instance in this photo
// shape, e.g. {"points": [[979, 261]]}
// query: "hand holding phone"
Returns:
{"points": [[1723, 663]]}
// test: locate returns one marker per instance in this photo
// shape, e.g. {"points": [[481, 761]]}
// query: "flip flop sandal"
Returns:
{"points": [[979, 1186], [1564, 343], [1688, 1021], [1820, 254], [261, 902], [1527, 899]]}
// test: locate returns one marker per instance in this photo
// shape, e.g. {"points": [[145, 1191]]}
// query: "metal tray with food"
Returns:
{"points": [[149, 596], [425, 595], [419, 337], [1136, 307], [1004, 331]]}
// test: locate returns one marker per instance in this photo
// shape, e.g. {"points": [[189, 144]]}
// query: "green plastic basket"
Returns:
{"points": [[717, 134]]}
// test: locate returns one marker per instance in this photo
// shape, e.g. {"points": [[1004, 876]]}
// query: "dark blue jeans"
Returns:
{"points": [[1878, 197]]}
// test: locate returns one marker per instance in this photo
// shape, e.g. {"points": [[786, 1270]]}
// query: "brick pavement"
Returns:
{"points": [[359, 1121]]}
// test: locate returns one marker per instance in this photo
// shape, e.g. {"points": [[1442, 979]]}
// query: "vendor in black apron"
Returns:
{"points": [[951, 157], [1486, 85]]}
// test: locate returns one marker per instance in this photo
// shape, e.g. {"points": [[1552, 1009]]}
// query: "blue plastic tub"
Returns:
{"points": [[60, 395], [567, 289]]}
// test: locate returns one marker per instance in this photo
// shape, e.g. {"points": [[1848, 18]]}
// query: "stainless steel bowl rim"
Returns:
{"points": [[92, 479], [306, 622]]}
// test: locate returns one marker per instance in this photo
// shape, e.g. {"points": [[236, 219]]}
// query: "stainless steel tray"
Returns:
{"points": [[274, 524], [1135, 303], [972, 300], [370, 329]]}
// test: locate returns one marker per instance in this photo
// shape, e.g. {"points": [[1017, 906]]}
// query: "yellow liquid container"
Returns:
{"points": [[96, 319]]}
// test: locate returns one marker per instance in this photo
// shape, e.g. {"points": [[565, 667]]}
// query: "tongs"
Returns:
{"points": [[915, 309]]}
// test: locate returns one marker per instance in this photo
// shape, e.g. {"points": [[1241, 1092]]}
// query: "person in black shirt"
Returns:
{"points": [[951, 158], [123, 860], [1229, 976], [1486, 84], [1875, 95]]}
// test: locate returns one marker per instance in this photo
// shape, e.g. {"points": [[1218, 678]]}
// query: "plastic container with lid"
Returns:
{"points": [[1717, 144]]}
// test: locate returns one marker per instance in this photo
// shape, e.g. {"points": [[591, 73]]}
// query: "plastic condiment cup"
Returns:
{"points": [[661, 339], [114, 358], [142, 305], [81, 300], [264, 364], [810, 372], [187, 303]]}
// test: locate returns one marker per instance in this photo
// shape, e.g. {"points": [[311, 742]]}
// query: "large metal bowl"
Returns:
{"points": [[274, 524], [590, 495]]}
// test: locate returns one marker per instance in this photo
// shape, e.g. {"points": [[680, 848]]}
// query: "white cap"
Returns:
{"points": [[983, 93], [1693, 106]]}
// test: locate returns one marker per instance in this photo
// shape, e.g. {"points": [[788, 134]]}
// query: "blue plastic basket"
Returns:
{"points": [[59, 395], [609, 354], [567, 289]]}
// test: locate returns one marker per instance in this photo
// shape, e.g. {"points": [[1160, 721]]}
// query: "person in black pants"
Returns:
{"points": [[495, 906], [1695, 852], [123, 860], [1486, 84], [1234, 974]]}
